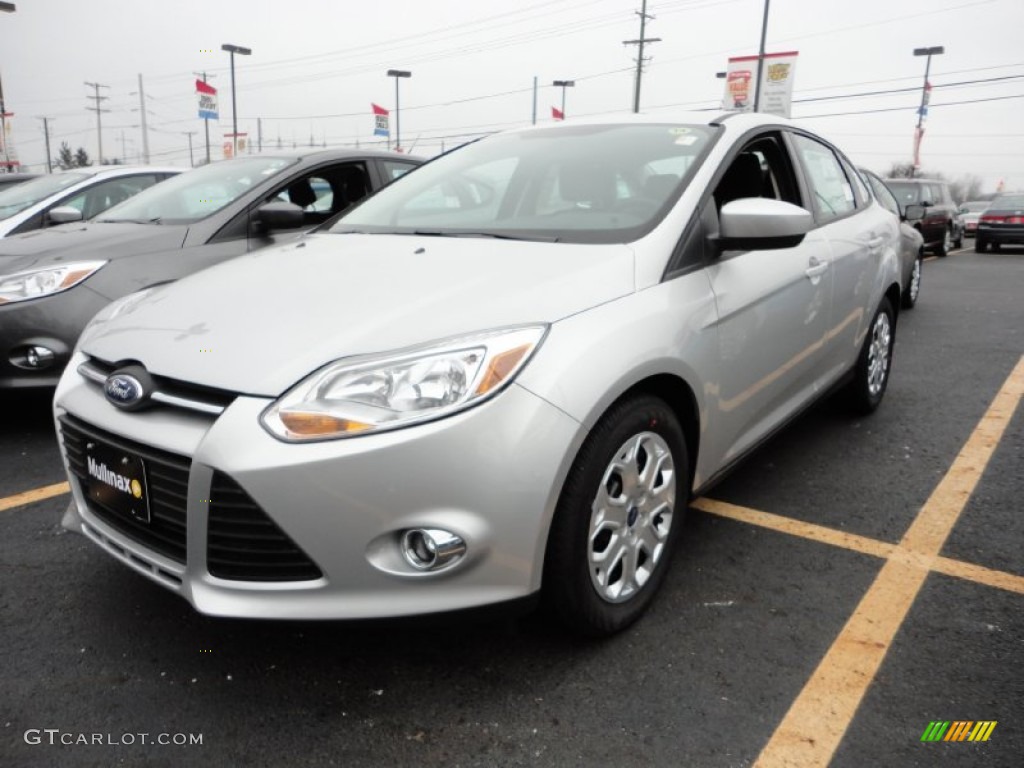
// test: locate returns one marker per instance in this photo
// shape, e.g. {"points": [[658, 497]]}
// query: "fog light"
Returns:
{"points": [[39, 357], [430, 549]]}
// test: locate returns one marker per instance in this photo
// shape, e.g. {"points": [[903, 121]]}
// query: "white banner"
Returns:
{"points": [[776, 83]]}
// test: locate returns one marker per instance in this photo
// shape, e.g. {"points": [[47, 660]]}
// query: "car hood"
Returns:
{"points": [[259, 323], [91, 241]]}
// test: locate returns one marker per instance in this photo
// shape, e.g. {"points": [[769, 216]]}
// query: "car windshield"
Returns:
{"points": [[1008, 201], [595, 183], [21, 196], [195, 195]]}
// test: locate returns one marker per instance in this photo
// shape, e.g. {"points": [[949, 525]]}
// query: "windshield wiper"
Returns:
{"points": [[155, 220], [494, 235]]}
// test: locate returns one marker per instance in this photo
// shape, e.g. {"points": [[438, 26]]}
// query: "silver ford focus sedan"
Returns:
{"points": [[501, 378]]}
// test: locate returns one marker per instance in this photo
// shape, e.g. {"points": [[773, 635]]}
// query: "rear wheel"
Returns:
{"points": [[909, 296], [979, 245], [946, 245], [996, 247], [871, 374], [959, 241], [618, 518]]}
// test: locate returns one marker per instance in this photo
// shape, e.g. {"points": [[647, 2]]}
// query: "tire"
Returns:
{"points": [[979, 245], [618, 518], [943, 248], [909, 296], [871, 373], [996, 247]]}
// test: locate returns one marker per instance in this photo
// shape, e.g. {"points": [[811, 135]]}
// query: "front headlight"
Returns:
{"points": [[358, 397], [34, 283]]}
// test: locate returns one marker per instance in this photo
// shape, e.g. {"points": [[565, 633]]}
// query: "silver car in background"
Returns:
{"points": [[911, 241], [501, 377], [74, 195]]}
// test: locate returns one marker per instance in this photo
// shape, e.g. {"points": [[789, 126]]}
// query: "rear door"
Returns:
{"points": [[859, 234]]}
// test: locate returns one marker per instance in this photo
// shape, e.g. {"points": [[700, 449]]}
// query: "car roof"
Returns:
{"points": [[313, 154]]}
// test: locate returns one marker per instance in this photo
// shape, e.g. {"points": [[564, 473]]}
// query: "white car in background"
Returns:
{"points": [[970, 213], [74, 195]]}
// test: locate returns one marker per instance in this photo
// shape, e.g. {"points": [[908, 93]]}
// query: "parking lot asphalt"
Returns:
{"points": [[850, 583]]}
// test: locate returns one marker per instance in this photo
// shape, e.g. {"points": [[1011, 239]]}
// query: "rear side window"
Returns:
{"points": [[831, 190], [99, 197]]}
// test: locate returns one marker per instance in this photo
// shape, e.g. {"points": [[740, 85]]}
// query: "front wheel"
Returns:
{"points": [[618, 518], [871, 374], [909, 297]]}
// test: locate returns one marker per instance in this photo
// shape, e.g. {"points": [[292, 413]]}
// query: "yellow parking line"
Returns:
{"points": [[36, 494], [817, 720], [979, 574], [863, 544], [796, 527]]}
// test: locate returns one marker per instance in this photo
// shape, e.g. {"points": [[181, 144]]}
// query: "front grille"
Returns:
{"points": [[166, 478], [183, 394], [244, 544]]}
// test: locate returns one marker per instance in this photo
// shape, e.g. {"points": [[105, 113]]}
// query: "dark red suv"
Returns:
{"points": [[932, 212]]}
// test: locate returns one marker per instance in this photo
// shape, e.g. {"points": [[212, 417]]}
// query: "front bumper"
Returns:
{"points": [[52, 323], [490, 474]]}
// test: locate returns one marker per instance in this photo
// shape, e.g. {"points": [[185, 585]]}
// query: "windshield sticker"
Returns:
{"points": [[679, 131], [686, 141]]}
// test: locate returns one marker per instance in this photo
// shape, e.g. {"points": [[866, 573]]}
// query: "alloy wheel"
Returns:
{"points": [[631, 516]]}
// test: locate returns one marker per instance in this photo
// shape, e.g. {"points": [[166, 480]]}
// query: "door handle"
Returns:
{"points": [[816, 267]]}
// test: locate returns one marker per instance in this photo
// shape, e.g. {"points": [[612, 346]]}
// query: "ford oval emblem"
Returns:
{"points": [[123, 390]]}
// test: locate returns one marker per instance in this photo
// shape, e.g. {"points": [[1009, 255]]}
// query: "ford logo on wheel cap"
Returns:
{"points": [[128, 388]]}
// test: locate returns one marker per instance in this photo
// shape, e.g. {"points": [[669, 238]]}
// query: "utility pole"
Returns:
{"points": [[124, 153], [46, 133], [206, 120], [98, 110], [145, 132], [259, 134], [4, 114], [640, 42], [191, 159]]}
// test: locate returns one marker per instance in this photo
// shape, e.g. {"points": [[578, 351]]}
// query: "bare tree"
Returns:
{"points": [[907, 171], [964, 188]]}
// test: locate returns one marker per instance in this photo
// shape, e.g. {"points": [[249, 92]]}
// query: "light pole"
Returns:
{"points": [[934, 50], [760, 58], [241, 51], [563, 84], [397, 74]]}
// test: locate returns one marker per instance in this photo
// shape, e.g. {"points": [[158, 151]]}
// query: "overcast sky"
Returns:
{"points": [[317, 65]]}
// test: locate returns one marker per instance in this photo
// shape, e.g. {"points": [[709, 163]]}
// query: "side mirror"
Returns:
{"points": [[756, 223], [913, 212], [63, 214], [280, 215]]}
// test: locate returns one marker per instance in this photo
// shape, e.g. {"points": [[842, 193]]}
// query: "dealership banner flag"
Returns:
{"points": [[776, 83], [557, 114], [207, 100], [380, 121]]}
